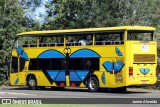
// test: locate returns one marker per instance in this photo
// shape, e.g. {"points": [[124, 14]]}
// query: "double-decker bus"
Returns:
{"points": [[96, 58]]}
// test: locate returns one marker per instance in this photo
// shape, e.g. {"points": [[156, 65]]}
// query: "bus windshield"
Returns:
{"points": [[140, 35]]}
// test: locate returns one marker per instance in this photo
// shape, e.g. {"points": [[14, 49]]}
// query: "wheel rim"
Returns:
{"points": [[32, 83], [92, 84]]}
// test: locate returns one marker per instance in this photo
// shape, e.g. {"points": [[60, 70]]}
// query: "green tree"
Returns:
{"points": [[12, 17], [64, 14]]}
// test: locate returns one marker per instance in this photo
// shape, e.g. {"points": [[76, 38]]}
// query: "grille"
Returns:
{"points": [[144, 58]]}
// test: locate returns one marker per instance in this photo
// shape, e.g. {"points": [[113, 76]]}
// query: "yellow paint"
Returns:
{"points": [[82, 85], [67, 81], [54, 84]]}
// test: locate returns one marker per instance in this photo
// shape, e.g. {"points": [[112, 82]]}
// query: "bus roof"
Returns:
{"points": [[88, 30]]}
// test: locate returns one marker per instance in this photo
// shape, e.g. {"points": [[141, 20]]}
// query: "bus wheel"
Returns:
{"points": [[32, 83], [93, 85]]}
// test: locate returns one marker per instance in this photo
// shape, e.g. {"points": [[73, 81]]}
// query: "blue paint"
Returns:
{"points": [[144, 70], [84, 53], [118, 52], [51, 54], [61, 76], [16, 81], [19, 50], [118, 66], [82, 74], [73, 76], [53, 73], [147, 70], [22, 54], [103, 78], [108, 66]]}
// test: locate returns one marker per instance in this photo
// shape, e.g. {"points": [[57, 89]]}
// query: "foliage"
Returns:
{"points": [[13, 20], [64, 14], [12, 17], [3, 80], [30, 6]]}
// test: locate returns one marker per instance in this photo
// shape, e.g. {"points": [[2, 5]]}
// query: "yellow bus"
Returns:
{"points": [[96, 58]]}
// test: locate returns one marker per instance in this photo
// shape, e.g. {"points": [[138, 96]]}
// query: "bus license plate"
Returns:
{"points": [[144, 82]]}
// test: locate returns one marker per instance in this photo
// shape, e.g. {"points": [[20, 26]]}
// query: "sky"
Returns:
{"points": [[40, 12]]}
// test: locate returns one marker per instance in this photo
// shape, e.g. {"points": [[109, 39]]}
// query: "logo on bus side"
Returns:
{"points": [[115, 67]]}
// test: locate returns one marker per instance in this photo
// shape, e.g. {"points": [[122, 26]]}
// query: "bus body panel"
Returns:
{"points": [[106, 53], [142, 57]]}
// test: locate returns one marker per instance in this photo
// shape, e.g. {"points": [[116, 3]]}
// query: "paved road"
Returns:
{"points": [[23, 92]]}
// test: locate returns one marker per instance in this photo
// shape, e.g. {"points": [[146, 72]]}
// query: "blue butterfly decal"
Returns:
{"points": [[144, 70], [103, 78], [116, 66], [118, 52]]}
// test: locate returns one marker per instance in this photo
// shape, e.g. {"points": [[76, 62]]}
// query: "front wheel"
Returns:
{"points": [[93, 85], [32, 83]]}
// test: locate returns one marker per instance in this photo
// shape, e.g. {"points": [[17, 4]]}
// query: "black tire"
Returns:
{"points": [[93, 85], [32, 83]]}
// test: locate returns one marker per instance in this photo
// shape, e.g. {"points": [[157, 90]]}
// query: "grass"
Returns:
{"points": [[53, 105]]}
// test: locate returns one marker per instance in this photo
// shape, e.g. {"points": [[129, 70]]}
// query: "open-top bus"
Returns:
{"points": [[96, 58]]}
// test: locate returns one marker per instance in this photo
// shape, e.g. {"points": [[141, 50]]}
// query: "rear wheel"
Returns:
{"points": [[32, 83], [93, 85]]}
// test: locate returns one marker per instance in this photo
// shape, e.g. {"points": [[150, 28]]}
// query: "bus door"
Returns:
{"points": [[14, 71], [17, 67]]}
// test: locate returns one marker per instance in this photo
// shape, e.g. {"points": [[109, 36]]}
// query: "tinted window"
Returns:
{"points": [[59, 64], [140, 35], [14, 64], [84, 63], [46, 64]]}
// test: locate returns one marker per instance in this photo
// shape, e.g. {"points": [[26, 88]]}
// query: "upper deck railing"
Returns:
{"points": [[74, 44]]}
